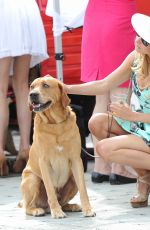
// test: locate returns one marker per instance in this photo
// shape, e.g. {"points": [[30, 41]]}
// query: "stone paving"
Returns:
{"points": [[110, 202]]}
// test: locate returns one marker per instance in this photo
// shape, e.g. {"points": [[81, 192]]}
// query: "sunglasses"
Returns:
{"points": [[145, 43]]}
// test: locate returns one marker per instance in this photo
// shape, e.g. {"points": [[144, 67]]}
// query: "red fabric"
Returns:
{"points": [[143, 6], [108, 37]]}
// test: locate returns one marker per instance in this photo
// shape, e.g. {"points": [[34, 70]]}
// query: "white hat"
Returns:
{"points": [[141, 24]]}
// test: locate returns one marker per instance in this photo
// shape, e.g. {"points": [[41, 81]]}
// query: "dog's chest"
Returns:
{"points": [[60, 170], [59, 148]]}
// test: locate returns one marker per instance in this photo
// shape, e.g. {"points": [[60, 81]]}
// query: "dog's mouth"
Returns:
{"points": [[38, 107]]}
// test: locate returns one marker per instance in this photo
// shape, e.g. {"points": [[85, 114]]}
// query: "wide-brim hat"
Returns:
{"points": [[141, 24]]}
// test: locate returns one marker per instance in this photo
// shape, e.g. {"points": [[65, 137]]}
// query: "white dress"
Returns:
{"points": [[21, 30]]}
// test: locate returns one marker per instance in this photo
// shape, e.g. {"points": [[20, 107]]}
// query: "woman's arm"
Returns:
{"points": [[141, 117], [124, 112], [117, 77]]}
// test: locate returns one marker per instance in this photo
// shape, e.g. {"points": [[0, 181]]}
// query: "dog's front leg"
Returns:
{"points": [[77, 169], [56, 210]]}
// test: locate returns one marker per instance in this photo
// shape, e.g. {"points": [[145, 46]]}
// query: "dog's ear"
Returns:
{"points": [[64, 97]]}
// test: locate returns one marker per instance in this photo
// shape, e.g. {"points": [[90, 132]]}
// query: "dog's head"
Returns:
{"points": [[45, 92]]}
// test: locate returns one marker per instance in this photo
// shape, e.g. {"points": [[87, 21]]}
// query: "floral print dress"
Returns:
{"points": [[138, 128]]}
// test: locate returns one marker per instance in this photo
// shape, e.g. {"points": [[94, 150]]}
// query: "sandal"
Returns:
{"points": [[21, 161], [4, 170], [141, 199]]}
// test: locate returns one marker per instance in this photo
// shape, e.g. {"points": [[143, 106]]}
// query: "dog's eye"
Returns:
{"points": [[45, 85], [31, 87]]}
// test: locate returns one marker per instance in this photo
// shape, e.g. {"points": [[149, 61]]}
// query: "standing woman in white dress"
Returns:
{"points": [[22, 45]]}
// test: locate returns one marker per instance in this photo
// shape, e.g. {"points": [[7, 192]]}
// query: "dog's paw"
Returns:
{"points": [[58, 214], [72, 208], [89, 213], [35, 211]]}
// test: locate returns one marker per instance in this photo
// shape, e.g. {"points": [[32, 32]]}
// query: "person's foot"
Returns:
{"points": [[4, 170], [99, 178], [21, 161], [141, 199], [116, 179]]}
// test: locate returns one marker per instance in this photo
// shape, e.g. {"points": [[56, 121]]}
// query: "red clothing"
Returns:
{"points": [[108, 37]]}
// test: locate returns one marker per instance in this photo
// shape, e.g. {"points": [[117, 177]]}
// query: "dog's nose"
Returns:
{"points": [[34, 96]]}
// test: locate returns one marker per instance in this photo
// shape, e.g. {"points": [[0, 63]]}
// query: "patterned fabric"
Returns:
{"points": [[138, 128]]}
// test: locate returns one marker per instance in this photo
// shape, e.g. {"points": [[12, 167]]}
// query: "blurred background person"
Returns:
{"points": [[107, 39], [22, 45]]}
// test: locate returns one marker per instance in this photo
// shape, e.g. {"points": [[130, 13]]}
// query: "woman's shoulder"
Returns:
{"points": [[132, 56], [129, 60]]}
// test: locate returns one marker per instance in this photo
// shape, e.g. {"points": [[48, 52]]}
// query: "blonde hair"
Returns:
{"points": [[140, 66]]}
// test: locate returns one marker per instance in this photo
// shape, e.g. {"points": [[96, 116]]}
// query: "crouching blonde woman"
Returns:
{"points": [[128, 131]]}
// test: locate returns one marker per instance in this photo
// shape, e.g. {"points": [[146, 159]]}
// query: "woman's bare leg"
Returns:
{"points": [[130, 150], [100, 165], [123, 148], [122, 94], [4, 114], [119, 140], [101, 106], [21, 89]]}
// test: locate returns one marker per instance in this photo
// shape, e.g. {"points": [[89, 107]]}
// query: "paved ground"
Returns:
{"points": [[110, 202]]}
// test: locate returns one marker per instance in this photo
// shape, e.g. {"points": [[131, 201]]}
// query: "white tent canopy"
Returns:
{"points": [[68, 13], [65, 13]]}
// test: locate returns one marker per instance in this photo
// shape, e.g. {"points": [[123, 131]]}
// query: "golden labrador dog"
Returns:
{"points": [[54, 171]]}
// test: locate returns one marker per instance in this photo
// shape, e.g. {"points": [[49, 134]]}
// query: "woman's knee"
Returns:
{"points": [[102, 148], [97, 124]]}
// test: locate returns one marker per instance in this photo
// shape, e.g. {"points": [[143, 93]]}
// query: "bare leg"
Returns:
{"points": [[124, 148], [100, 165], [4, 114], [21, 89], [120, 141], [101, 107], [130, 150], [122, 94]]}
